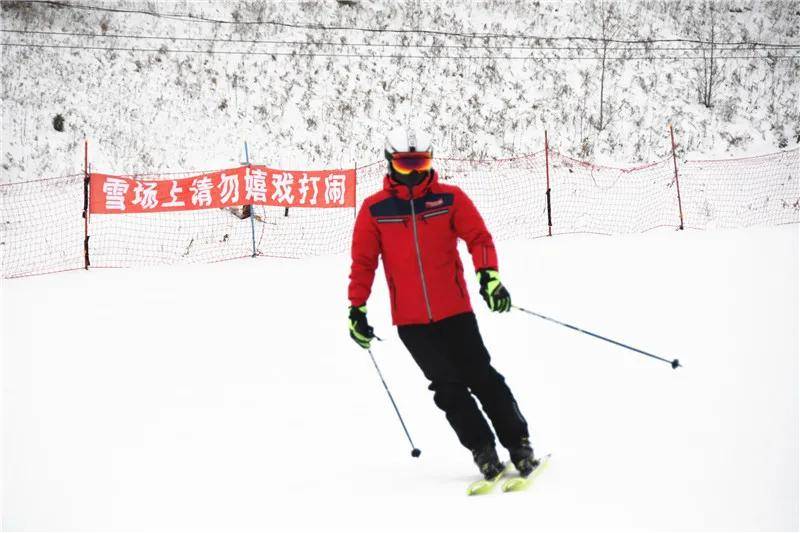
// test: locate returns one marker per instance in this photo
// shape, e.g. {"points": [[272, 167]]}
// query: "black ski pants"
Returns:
{"points": [[452, 356]]}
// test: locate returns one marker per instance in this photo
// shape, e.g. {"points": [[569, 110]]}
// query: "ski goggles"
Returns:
{"points": [[408, 162]]}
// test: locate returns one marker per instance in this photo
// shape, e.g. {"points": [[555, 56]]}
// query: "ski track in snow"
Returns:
{"points": [[229, 396]]}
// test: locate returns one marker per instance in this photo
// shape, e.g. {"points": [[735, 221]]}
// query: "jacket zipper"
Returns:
{"points": [[419, 259]]}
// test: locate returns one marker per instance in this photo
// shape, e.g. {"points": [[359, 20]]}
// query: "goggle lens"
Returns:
{"points": [[408, 162]]}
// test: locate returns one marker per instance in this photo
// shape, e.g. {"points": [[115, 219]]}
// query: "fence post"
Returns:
{"points": [[86, 182], [250, 207], [547, 193], [677, 183]]}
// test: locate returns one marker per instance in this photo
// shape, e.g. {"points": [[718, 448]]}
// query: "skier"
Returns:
{"points": [[414, 224]]}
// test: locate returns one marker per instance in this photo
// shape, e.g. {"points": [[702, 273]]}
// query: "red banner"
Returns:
{"points": [[253, 185]]}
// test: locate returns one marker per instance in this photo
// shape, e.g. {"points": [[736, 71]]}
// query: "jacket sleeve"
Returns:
{"points": [[469, 226], [365, 252]]}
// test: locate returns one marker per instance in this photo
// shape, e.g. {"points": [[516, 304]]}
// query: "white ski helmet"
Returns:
{"points": [[408, 139], [409, 152]]}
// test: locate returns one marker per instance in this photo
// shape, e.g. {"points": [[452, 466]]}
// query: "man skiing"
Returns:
{"points": [[414, 224]]}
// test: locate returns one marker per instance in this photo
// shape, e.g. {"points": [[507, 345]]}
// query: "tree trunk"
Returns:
{"points": [[602, 84], [711, 71]]}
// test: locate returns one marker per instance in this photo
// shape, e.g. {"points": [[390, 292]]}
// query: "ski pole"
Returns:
{"points": [[675, 363], [415, 452]]}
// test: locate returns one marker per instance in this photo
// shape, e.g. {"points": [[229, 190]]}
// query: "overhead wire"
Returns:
{"points": [[320, 27], [386, 56], [645, 45]]}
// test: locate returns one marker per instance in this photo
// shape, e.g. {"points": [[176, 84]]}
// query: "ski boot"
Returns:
{"points": [[488, 462], [523, 459]]}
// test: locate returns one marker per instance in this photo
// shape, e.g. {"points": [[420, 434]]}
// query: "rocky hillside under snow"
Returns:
{"points": [[160, 104]]}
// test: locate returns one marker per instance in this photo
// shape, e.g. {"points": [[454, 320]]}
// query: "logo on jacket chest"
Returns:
{"points": [[434, 203]]}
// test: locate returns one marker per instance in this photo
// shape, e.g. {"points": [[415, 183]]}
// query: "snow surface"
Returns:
{"points": [[229, 396]]}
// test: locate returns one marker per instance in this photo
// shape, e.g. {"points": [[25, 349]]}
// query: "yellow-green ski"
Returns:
{"points": [[484, 486], [518, 483]]}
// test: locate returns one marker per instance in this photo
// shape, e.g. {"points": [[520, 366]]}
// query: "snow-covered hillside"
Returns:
{"points": [[184, 98], [230, 396]]}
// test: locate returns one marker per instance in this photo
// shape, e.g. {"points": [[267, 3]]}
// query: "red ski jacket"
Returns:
{"points": [[415, 232]]}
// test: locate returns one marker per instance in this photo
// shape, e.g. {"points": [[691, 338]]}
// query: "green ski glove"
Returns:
{"points": [[360, 330], [493, 292]]}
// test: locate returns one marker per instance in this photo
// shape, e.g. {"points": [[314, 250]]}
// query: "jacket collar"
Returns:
{"points": [[403, 192]]}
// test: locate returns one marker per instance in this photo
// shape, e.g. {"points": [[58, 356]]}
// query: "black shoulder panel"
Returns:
{"points": [[392, 207]]}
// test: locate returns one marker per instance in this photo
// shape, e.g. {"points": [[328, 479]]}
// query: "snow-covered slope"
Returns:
{"points": [[161, 108], [230, 396]]}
